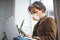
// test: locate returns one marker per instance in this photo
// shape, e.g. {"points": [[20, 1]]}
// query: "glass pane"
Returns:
{"points": [[21, 13], [49, 7], [32, 1]]}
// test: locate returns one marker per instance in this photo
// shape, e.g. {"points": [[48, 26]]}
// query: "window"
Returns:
{"points": [[21, 12]]}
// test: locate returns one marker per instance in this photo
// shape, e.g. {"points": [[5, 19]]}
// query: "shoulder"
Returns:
{"points": [[50, 19]]}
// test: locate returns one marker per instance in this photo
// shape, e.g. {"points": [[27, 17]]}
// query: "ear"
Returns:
{"points": [[43, 10]]}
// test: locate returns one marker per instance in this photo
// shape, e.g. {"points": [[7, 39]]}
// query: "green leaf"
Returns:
{"points": [[17, 26], [19, 29], [22, 23]]}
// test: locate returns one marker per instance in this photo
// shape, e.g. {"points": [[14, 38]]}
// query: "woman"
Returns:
{"points": [[46, 28]]}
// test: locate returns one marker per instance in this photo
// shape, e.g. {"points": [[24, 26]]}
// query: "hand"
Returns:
{"points": [[27, 35], [37, 37]]}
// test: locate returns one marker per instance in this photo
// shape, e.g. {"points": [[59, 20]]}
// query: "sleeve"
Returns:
{"points": [[50, 30]]}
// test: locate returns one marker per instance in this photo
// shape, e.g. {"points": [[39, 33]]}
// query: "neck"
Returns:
{"points": [[42, 17]]}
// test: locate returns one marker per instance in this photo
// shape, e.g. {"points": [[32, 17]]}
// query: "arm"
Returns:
{"points": [[50, 30]]}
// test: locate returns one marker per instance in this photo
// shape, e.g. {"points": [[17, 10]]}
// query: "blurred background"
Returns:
{"points": [[13, 12]]}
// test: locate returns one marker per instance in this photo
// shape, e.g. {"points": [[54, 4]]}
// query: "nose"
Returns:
{"points": [[37, 14]]}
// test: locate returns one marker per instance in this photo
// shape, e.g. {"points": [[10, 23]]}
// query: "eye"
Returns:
{"points": [[35, 12]]}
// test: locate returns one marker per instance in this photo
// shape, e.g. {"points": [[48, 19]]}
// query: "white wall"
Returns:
{"points": [[7, 23]]}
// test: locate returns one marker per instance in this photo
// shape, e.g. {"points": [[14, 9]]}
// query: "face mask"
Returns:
{"points": [[35, 17], [44, 14]]}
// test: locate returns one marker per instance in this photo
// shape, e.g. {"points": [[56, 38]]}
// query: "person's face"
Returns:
{"points": [[37, 12]]}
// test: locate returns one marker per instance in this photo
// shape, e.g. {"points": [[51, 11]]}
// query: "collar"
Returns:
{"points": [[42, 20]]}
